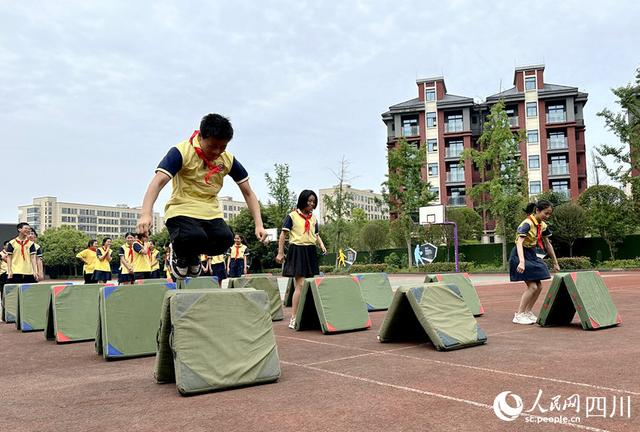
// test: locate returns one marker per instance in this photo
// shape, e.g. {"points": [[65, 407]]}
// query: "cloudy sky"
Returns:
{"points": [[93, 94]]}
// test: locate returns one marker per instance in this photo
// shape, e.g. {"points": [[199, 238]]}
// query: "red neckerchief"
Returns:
{"points": [[130, 253], [213, 169], [307, 221], [93, 248], [539, 233], [237, 250], [22, 245]]}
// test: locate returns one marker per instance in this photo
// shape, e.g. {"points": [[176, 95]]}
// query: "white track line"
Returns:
{"points": [[426, 393], [497, 371], [362, 355]]}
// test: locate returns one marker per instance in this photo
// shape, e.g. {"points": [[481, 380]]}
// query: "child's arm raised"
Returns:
{"points": [[254, 209]]}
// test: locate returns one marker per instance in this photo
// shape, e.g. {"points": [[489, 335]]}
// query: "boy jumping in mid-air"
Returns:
{"points": [[193, 216]]}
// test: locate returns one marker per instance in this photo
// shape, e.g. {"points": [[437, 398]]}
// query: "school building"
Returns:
{"points": [[230, 208], [372, 203]]}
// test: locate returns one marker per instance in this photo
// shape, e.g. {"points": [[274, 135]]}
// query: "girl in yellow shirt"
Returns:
{"points": [[89, 257]]}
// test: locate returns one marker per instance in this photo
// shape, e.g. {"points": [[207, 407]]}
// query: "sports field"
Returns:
{"points": [[350, 381]]}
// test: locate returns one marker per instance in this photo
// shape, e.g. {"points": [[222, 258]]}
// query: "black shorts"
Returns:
{"points": [[193, 237], [125, 278], [142, 275], [21, 278]]}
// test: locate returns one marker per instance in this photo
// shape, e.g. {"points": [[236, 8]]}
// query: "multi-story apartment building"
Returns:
{"points": [[95, 220], [230, 208], [372, 203], [446, 124]]}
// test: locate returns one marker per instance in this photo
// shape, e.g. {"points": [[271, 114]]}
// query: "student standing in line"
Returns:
{"points": [[237, 263], [127, 255], [22, 266], [102, 270], [89, 257], [155, 260], [525, 261]]}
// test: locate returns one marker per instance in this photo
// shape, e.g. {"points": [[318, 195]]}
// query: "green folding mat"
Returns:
{"points": [[256, 274], [147, 281], [216, 339], [268, 284], [72, 315], [333, 304], [10, 303], [33, 301], [128, 317], [200, 282], [582, 292], [376, 290], [288, 292], [431, 311], [463, 282]]}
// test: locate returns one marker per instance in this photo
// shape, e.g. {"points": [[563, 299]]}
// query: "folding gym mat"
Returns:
{"points": [[146, 281], [268, 284], [72, 315], [10, 303], [200, 282], [288, 293], [128, 317], [582, 292], [431, 311], [216, 339], [33, 301], [376, 290], [333, 304], [463, 282]]}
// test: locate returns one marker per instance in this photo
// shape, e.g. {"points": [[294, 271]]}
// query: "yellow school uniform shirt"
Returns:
{"points": [[155, 265], [105, 264], [141, 260], [89, 257], [295, 223], [238, 252], [3, 265], [127, 252], [21, 256], [528, 229], [192, 194], [217, 259]]}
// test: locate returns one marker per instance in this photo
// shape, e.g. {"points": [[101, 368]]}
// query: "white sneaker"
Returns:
{"points": [[531, 316], [292, 323], [521, 318]]}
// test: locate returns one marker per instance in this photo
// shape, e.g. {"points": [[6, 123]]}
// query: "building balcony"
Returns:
{"points": [[558, 170], [557, 117], [455, 177], [453, 152], [458, 201], [514, 122], [410, 131], [558, 144], [453, 126], [566, 193]]}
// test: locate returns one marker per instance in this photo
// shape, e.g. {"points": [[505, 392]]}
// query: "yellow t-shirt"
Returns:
{"points": [[295, 223], [237, 252], [89, 258], [528, 229], [102, 264], [3, 263], [217, 259], [192, 196], [129, 255], [141, 261], [21, 256], [155, 265]]}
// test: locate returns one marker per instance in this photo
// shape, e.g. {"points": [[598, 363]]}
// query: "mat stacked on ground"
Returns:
{"points": [[128, 319], [333, 304], [376, 290], [33, 301], [431, 311], [216, 339], [288, 292], [582, 292], [463, 282], [72, 315], [155, 280], [266, 283], [10, 303], [200, 282]]}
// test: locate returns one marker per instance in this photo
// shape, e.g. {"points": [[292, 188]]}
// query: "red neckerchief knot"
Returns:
{"points": [[539, 231], [130, 253], [237, 250], [22, 245], [307, 221], [213, 169]]}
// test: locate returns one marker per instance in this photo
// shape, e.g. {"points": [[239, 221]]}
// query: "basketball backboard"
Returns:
{"points": [[433, 214]]}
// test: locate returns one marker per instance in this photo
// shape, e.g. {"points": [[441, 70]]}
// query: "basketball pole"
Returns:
{"points": [[455, 243]]}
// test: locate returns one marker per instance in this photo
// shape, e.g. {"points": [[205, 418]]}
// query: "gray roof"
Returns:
{"points": [[547, 90], [451, 99]]}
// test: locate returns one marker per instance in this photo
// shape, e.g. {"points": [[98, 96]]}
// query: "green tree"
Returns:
{"points": [[569, 223], [503, 179], [60, 246], [160, 238], [626, 126], [405, 190], [338, 207], [374, 236], [610, 214], [469, 222], [283, 196], [555, 198], [116, 244]]}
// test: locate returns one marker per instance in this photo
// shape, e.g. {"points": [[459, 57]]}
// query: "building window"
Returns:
{"points": [[453, 123], [410, 127], [433, 169], [557, 141], [530, 83], [556, 114], [532, 109], [432, 145], [535, 187], [532, 136], [430, 94], [435, 191], [534, 162], [431, 119]]}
